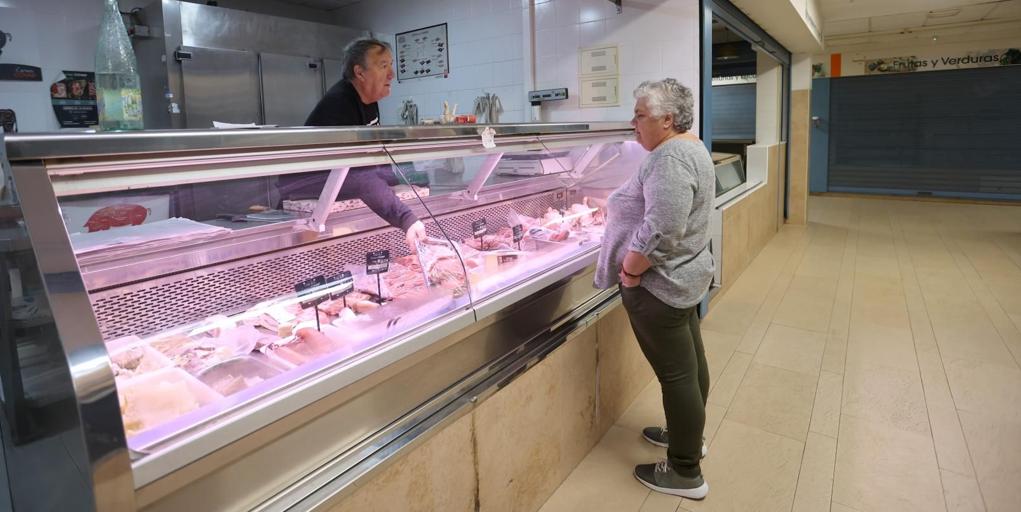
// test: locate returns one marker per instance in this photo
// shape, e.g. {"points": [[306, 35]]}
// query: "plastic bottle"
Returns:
{"points": [[118, 88]]}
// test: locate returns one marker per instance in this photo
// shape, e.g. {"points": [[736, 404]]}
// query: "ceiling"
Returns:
{"points": [[323, 5], [843, 18]]}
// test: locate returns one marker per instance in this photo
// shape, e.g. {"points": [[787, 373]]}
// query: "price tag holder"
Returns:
{"points": [[479, 230], [377, 262], [309, 287], [341, 285], [518, 232]]}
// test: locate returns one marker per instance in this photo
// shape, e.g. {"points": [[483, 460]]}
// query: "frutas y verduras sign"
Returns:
{"points": [[974, 59]]}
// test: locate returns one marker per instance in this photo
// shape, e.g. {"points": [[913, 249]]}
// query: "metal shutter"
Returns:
{"points": [[943, 132], [733, 112]]}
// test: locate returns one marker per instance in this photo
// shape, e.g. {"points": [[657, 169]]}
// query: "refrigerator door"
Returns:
{"points": [[291, 87], [220, 85]]}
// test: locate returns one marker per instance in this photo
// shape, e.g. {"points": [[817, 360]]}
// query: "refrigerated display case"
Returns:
{"points": [[256, 348]]}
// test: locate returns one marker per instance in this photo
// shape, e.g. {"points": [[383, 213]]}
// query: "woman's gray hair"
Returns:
{"points": [[355, 52], [668, 96]]}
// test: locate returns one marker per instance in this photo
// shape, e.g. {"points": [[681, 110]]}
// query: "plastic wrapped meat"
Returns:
{"points": [[136, 360], [193, 354], [238, 374], [308, 344], [442, 266], [155, 398]]}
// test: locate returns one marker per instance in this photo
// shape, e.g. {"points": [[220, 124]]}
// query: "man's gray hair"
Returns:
{"points": [[668, 96], [356, 51]]}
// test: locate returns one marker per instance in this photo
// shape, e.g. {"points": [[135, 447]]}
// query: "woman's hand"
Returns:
{"points": [[627, 281]]}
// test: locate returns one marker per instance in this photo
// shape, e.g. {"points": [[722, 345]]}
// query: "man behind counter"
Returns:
{"points": [[368, 71]]}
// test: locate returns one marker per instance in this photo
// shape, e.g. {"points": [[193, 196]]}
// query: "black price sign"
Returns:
{"points": [[519, 232], [479, 228], [341, 284], [309, 287], [377, 262]]}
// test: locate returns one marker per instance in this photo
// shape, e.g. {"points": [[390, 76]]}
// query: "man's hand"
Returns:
{"points": [[415, 233]]}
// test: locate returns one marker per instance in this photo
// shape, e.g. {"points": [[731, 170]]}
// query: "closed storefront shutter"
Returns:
{"points": [[950, 133]]}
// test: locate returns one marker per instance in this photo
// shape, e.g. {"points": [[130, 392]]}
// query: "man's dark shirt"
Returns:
{"points": [[341, 106]]}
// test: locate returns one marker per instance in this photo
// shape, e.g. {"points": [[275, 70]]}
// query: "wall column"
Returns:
{"points": [[801, 93]]}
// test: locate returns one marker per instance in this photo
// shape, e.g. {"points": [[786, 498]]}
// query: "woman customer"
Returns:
{"points": [[656, 249]]}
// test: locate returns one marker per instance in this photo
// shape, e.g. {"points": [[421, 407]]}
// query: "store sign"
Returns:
{"points": [[965, 60], [734, 80]]}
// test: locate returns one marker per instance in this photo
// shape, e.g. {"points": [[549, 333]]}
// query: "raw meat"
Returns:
{"points": [[134, 361], [116, 216]]}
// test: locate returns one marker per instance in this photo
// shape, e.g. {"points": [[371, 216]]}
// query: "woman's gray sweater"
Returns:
{"points": [[662, 212]]}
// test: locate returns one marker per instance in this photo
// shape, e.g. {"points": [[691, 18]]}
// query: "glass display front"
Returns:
{"points": [[218, 336]]}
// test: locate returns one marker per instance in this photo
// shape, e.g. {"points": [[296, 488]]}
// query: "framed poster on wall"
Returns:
{"points": [[423, 52]]}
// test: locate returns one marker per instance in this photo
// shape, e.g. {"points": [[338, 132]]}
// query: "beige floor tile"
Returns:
{"points": [[815, 480], [882, 267], [805, 311], [837, 507], [961, 493], [967, 333], [659, 502], [835, 354], [723, 390], [731, 315], [749, 469], [718, 349], [793, 349], [987, 389], [883, 468], [757, 330], [604, 480], [714, 415], [995, 445], [826, 409], [645, 411], [776, 400], [876, 345], [892, 396], [951, 448]]}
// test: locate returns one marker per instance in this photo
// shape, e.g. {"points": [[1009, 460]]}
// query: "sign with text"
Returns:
{"points": [[310, 287], [963, 60], [377, 262]]}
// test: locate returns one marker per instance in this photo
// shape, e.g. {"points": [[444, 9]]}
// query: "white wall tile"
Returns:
{"points": [[546, 16], [591, 34], [546, 70], [639, 58], [594, 10], [507, 73], [568, 11], [567, 39], [546, 42]]}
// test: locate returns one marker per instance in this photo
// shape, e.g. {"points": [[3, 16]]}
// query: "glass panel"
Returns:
{"points": [[185, 348]]}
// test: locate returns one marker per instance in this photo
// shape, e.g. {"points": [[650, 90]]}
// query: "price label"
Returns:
{"points": [[310, 287], [377, 262], [479, 228], [519, 232], [341, 284]]}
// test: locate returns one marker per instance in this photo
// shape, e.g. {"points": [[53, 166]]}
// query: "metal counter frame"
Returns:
{"points": [[47, 166]]}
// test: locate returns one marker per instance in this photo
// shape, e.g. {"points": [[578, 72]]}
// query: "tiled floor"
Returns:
{"points": [[866, 362]]}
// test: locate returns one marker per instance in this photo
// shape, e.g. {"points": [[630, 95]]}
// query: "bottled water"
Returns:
{"points": [[118, 88]]}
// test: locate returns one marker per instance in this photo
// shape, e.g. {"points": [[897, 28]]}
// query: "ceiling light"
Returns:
{"points": [[934, 38], [945, 13]]}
